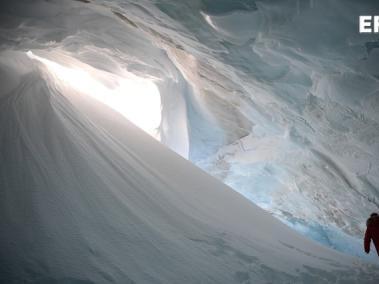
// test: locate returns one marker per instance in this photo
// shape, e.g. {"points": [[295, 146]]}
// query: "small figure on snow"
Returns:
{"points": [[372, 232]]}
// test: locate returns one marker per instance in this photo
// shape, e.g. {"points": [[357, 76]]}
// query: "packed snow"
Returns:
{"points": [[281, 109]]}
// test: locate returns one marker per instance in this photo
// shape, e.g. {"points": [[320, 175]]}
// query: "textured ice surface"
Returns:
{"points": [[87, 197], [263, 95], [293, 89]]}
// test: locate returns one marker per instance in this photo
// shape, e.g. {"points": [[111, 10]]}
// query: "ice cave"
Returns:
{"points": [[188, 141]]}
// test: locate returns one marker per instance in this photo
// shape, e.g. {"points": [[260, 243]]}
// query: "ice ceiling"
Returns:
{"points": [[279, 99]]}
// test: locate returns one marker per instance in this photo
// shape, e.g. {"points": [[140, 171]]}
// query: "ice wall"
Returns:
{"points": [[87, 197], [278, 99], [293, 88]]}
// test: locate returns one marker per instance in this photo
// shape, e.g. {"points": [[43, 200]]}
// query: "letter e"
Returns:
{"points": [[365, 24]]}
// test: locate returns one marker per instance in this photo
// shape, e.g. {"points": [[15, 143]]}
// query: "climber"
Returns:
{"points": [[372, 232]]}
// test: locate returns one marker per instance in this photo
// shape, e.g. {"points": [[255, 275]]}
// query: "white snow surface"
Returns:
{"points": [[87, 197]]}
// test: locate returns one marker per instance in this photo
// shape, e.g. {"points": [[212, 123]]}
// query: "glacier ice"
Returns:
{"points": [[281, 80], [261, 94], [87, 197]]}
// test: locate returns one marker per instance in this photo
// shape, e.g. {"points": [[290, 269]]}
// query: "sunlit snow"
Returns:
{"points": [[136, 98], [277, 99]]}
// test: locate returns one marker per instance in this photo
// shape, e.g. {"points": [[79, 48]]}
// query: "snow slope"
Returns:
{"points": [[244, 87], [86, 197]]}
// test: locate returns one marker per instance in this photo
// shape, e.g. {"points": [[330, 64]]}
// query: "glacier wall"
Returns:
{"points": [[278, 99], [293, 89]]}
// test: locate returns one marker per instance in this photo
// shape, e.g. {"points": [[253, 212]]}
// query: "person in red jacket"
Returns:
{"points": [[372, 232]]}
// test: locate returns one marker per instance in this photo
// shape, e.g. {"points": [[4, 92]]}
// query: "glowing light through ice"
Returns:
{"points": [[136, 98]]}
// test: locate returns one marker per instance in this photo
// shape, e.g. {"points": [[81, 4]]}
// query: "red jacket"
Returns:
{"points": [[372, 233]]}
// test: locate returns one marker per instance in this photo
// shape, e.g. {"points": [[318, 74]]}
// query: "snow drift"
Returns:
{"points": [[87, 197]]}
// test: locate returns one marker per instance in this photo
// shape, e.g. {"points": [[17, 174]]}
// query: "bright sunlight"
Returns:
{"points": [[136, 98]]}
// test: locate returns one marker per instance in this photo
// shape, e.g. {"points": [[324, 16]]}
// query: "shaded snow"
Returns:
{"points": [[86, 197]]}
